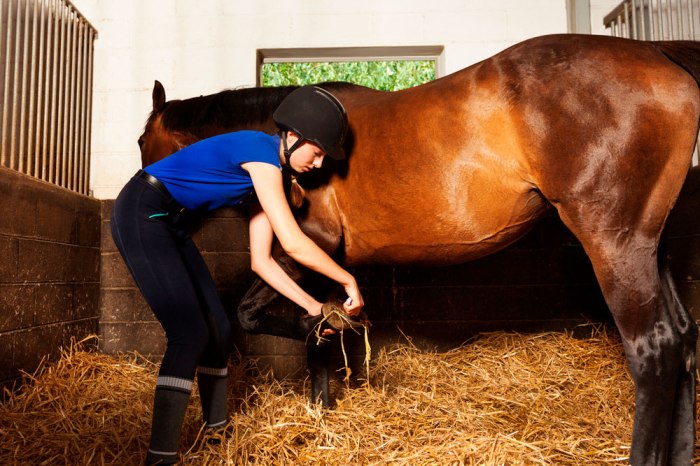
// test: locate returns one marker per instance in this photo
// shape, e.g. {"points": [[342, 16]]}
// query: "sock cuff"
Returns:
{"points": [[218, 372], [174, 383], [214, 425], [163, 454]]}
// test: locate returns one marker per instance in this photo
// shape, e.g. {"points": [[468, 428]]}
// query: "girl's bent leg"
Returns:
{"points": [[212, 373], [151, 248]]}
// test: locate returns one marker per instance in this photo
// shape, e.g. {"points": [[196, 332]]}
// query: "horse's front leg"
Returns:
{"points": [[254, 318]]}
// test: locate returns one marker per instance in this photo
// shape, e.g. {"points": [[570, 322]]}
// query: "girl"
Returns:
{"points": [[149, 228]]}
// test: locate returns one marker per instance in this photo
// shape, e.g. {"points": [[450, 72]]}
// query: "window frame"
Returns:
{"points": [[433, 53]]}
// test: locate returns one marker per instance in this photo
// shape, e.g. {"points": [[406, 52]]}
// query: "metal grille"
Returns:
{"points": [[655, 20], [46, 60]]}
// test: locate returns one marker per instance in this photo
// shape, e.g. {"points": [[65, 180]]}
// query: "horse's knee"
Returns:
{"points": [[247, 320], [656, 355]]}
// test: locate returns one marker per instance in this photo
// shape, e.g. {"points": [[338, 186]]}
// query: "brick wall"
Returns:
{"points": [[49, 273]]}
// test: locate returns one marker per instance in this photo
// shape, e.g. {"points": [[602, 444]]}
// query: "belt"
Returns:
{"points": [[173, 206]]}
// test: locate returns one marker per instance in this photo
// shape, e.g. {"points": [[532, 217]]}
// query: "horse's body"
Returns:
{"points": [[601, 129]]}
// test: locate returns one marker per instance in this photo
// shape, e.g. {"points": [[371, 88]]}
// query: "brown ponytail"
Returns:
{"points": [[296, 194]]}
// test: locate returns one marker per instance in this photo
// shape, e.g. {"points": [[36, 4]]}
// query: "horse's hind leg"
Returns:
{"points": [[683, 433], [659, 339]]}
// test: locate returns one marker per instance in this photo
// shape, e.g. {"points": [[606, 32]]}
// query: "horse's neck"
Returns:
{"points": [[214, 130], [224, 114]]}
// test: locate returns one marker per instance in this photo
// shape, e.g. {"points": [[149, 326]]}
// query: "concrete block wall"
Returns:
{"points": [[49, 273], [543, 282], [127, 323], [60, 276]]}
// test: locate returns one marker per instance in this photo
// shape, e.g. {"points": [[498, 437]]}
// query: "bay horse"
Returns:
{"points": [[601, 129]]}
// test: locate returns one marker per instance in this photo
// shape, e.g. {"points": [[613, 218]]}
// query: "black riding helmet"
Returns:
{"points": [[315, 115]]}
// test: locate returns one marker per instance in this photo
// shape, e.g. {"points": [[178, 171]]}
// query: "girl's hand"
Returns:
{"points": [[353, 305], [314, 309]]}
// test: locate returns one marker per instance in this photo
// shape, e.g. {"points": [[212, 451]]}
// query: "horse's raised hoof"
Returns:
{"points": [[336, 317]]}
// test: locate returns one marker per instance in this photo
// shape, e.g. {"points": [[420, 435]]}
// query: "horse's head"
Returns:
{"points": [[175, 124], [157, 142]]}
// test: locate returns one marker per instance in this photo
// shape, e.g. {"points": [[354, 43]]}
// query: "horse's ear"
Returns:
{"points": [[158, 96]]}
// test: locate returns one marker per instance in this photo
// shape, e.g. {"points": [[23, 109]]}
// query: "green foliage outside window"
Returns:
{"points": [[382, 75]]}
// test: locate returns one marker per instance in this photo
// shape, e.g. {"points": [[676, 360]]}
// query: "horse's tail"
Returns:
{"points": [[684, 53]]}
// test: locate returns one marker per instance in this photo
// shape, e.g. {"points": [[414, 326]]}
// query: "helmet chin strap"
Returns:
{"points": [[288, 152]]}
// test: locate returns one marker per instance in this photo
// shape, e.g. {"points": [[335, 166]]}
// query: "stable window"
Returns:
{"points": [[384, 68]]}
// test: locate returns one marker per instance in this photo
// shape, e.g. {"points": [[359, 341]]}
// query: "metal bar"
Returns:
{"points": [[32, 91], [50, 156], [642, 19], [679, 18], [634, 33], [58, 93], [624, 30], [70, 181], [15, 84], [21, 154], [6, 86], [73, 103], [80, 142], [66, 95], [88, 132], [58, 156], [691, 20], [39, 92]]}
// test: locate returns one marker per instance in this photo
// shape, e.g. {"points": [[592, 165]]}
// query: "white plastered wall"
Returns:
{"points": [[199, 47]]}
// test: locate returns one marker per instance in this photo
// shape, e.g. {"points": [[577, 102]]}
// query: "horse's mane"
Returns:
{"points": [[228, 109]]}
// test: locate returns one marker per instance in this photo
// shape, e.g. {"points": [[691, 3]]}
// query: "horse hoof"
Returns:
{"points": [[337, 319]]}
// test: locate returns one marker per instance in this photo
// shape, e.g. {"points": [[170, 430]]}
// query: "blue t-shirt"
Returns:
{"points": [[207, 174]]}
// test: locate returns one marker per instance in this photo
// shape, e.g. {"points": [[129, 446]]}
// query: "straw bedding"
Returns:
{"points": [[502, 398]]}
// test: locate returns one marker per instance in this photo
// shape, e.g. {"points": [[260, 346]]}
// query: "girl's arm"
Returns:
{"points": [[267, 180], [262, 263]]}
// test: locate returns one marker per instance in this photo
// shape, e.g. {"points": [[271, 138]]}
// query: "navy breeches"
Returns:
{"points": [[173, 278]]}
